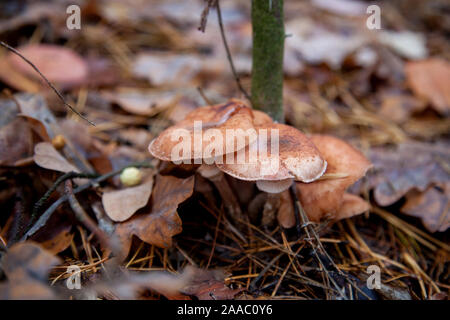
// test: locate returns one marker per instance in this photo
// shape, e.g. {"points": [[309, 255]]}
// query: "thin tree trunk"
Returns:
{"points": [[268, 49]]}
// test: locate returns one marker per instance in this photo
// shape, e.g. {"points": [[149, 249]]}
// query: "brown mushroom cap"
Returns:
{"points": [[352, 205], [208, 171], [327, 196], [297, 158], [261, 118], [234, 114], [274, 186]]}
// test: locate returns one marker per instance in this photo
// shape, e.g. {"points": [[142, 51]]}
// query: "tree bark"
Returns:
{"points": [[268, 50]]}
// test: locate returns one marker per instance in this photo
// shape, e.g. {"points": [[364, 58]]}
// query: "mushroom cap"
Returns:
{"points": [[274, 186], [261, 118], [208, 171], [327, 196], [59, 64], [352, 205], [297, 157], [234, 114]]}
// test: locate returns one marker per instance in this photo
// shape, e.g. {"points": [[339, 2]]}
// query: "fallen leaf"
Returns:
{"points": [[43, 122], [46, 156], [408, 44], [32, 13], [10, 76], [85, 145], [129, 285], [210, 285], [430, 79], [342, 7], [407, 166], [140, 138], [34, 108], [162, 221], [139, 101], [60, 242], [122, 204], [16, 140], [315, 44], [165, 68], [60, 65], [432, 206], [26, 266], [400, 107]]}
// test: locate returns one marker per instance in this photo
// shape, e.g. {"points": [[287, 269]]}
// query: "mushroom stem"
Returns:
{"points": [[228, 197], [297, 208], [270, 209], [219, 180]]}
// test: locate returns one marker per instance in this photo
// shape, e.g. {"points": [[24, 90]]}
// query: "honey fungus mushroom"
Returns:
{"points": [[201, 134], [280, 153], [327, 197], [294, 158], [234, 116]]}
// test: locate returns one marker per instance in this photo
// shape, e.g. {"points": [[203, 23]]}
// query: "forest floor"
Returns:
{"points": [[136, 67]]}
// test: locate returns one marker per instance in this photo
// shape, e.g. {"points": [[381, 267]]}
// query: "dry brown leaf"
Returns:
{"points": [[43, 122], [140, 138], [432, 206], [430, 79], [15, 79], [46, 156], [120, 205], [31, 14], [399, 107], [210, 285], [129, 285], [166, 68], [162, 221], [16, 142], [60, 65], [58, 243], [26, 266], [405, 167], [139, 101]]}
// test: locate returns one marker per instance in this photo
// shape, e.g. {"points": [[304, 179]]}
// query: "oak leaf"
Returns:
{"points": [[161, 222], [122, 204], [430, 79]]}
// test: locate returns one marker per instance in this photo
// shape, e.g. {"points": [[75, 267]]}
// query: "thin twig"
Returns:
{"points": [[61, 179], [83, 217], [309, 229], [216, 233], [227, 49], [202, 93], [47, 214], [7, 46], [204, 16], [264, 271]]}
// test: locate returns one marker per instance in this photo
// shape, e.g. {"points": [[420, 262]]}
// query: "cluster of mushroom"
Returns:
{"points": [[288, 156]]}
